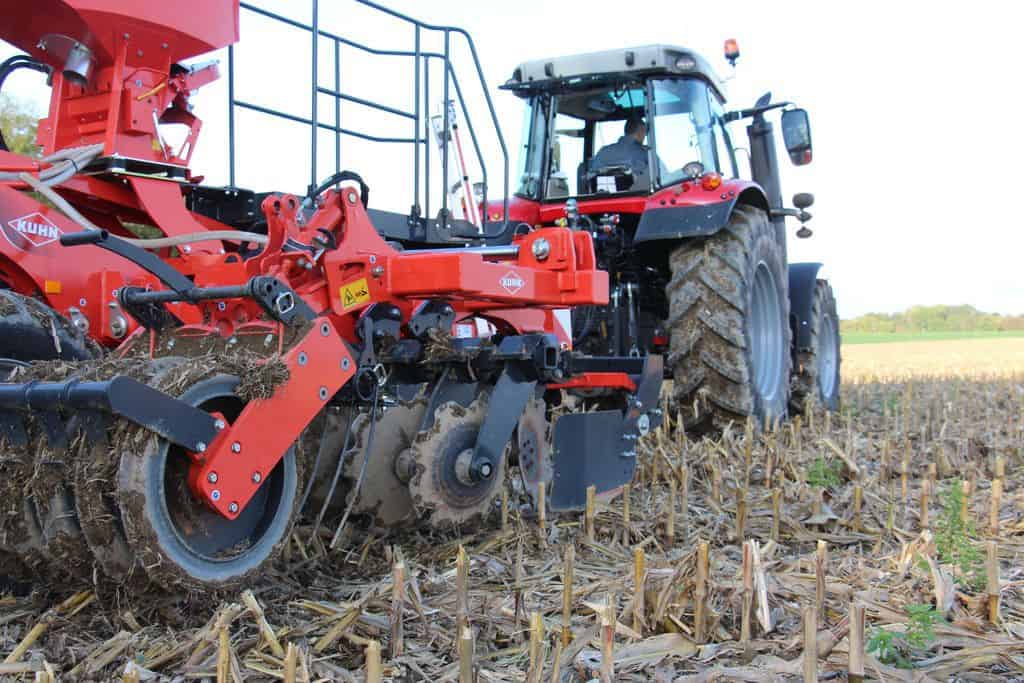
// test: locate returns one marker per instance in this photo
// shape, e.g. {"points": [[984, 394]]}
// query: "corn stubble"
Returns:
{"points": [[766, 546]]}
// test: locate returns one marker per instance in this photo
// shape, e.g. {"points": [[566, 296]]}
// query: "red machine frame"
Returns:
{"points": [[132, 86]]}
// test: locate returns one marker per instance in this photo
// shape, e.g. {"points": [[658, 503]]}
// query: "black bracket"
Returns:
{"points": [[538, 355], [506, 405], [164, 415], [433, 314]]}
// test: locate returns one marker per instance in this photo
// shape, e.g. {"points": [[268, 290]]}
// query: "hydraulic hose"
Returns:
{"points": [[64, 164], [155, 243]]}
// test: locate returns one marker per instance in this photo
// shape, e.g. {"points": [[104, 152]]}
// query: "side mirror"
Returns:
{"points": [[796, 132], [803, 200]]}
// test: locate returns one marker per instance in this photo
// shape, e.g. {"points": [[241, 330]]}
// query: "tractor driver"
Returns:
{"points": [[630, 151]]}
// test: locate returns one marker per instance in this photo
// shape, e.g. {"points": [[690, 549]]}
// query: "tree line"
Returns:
{"points": [[934, 319], [18, 122]]}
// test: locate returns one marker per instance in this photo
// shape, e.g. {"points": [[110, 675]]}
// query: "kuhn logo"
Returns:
{"points": [[511, 282], [31, 232]]}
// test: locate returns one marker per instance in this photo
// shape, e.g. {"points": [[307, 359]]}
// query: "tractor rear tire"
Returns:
{"points": [[816, 375], [729, 348]]}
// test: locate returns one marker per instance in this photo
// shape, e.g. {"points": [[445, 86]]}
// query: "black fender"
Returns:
{"points": [[700, 220], [802, 279]]}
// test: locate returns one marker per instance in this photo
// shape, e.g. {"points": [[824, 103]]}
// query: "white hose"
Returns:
{"points": [[154, 243], [65, 163]]}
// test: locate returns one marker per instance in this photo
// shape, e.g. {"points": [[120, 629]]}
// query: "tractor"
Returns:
{"points": [[633, 146], [276, 357]]}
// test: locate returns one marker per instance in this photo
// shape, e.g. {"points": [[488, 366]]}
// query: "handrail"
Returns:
{"points": [[480, 75], [421, 92]]}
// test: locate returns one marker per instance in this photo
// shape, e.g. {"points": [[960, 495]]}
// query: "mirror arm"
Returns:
{"points": [[798, 214], [753, 111]]}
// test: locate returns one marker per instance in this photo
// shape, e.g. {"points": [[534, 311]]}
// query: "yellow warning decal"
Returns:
{"points": [[355, 293]]}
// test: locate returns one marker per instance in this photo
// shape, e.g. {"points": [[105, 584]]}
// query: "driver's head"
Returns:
{"points": [[636, 128]]}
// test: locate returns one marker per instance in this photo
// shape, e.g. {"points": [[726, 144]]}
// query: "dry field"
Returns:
{"points": [[948, 358], [748, 558]]}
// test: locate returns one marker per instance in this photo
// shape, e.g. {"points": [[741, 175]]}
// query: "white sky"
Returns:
{"points": [[913, 105]]}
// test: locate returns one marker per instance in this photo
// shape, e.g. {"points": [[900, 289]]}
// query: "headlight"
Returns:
{"points": [[693, 170], [686, 63]]}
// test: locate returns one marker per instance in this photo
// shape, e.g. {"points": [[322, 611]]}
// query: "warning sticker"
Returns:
{"points": [[355, 293]]}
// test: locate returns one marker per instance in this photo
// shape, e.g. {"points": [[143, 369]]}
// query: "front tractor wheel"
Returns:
{"points": [[729, 322], [816, 375]]}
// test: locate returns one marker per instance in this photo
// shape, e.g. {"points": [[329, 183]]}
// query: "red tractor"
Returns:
{"points": [[632, 146], [276, 355]]}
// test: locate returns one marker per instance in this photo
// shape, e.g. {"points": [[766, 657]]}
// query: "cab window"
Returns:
{"points": [[684, 127]]}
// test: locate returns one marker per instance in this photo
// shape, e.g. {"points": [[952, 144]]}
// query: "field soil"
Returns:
{"points": [[933, 358], [824, 518], [888, 337]]}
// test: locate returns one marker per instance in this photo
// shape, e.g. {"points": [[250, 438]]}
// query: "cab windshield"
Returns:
{"points": [[629, 138]]}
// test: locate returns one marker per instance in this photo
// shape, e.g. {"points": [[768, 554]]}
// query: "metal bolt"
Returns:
{"points": [[541, 248], [377, 271], [485, 470], [643, 425], [257, 477], [345, 363], [221, 306], [236, 447], [373, 258], [325, 330], [323, 393], [212, 477], [219, 424], [82, 302], [201, 447], [118, 326], [233, 508], [303, 358], [187, 249], [352, 198], [215, 495]]}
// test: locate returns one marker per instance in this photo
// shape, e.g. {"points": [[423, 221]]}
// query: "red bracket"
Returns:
{"points": [[233, 467], [598, 380]]}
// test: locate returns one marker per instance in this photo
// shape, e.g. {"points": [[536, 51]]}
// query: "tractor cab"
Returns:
{"points": [[632, 146], [619, 122]]}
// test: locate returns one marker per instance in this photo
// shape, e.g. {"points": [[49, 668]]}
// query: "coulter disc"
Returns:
{"points": [[534, 448], [382, 494], [441, 496]]}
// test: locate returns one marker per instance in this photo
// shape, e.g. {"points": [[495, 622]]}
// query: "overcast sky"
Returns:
{"points": [[914, 108]]}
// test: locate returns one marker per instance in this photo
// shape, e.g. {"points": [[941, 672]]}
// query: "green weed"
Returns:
{"points": [[954, 540]]}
